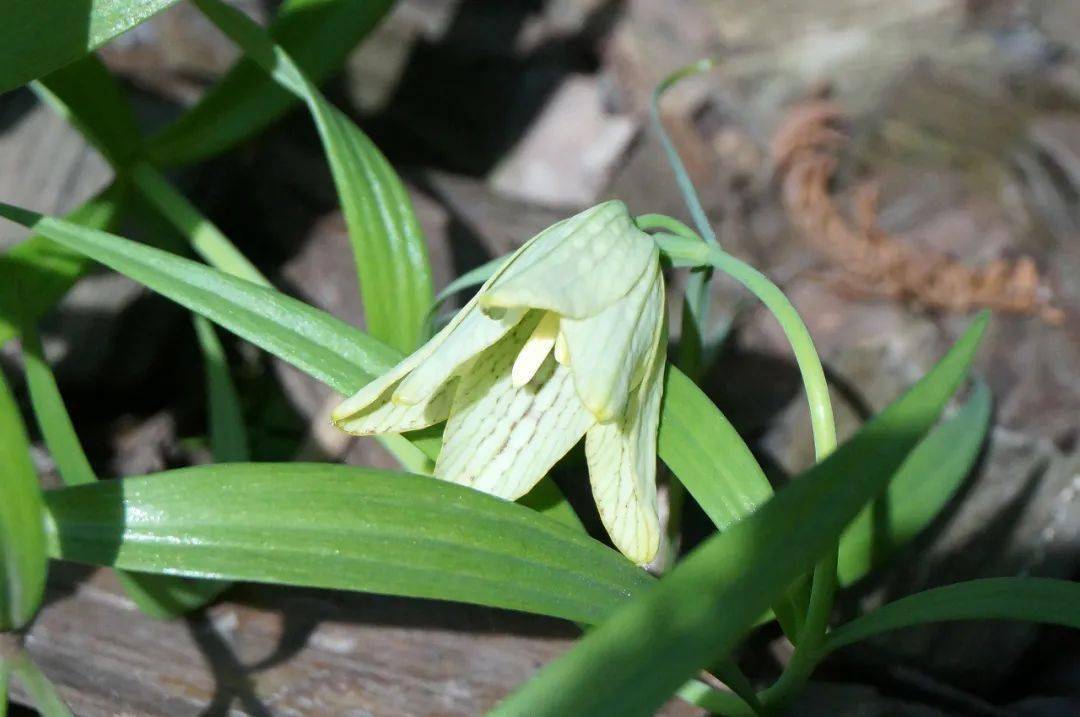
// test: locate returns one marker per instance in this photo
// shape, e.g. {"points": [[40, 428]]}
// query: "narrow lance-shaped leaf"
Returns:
{"points": [[22, 535], [315, 342], [694, 616], [388, 246], [318, 34], [36, 273], [707, 455], [42, 692], [52, 416], [89, 97], [1055, 602], [342, 527], [161, 596], [695, 440], [39, 36], [930, 476]]}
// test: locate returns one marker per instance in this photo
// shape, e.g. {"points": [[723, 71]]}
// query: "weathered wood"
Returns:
{"points": [[273, 650]]}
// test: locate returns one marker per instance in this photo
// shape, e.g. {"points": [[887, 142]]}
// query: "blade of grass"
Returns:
{"points": [[388, 246], [22, 537], [39, 36], [929, 478], [318, 34], [342, 527], [634, 661], [1043, 600]]}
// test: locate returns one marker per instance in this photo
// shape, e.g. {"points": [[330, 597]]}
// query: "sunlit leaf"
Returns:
{"points": [[1043, 600], [36, 272], [707, 455], [39, 36], [318, 34], [161, 596], [634, 661], [388, 246], [342, 527], [315, 342], [22, 537]]}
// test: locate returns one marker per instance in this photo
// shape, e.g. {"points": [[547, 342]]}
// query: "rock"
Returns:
{"points": [[825, 699], [45, 165], [178, 52], [570, 152], [1020, 513]]}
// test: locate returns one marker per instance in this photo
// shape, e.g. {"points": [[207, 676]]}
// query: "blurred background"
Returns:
{"points": [[894, 166]]}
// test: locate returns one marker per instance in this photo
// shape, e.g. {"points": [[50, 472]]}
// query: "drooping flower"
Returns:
{"points": [[565, 340]]}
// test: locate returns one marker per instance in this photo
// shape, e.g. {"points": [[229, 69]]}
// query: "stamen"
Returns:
{"points": [[536, 349], [562, 349]]}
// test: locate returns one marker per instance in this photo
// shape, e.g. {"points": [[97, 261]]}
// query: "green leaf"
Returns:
{"points": [[388, 246], [200, 233], [634, 661], [22, 537], [42, 691], [39, 36], [315, 342], [228, 438], [707, 455], [695, 440], [52, 416], [930, 476], [341, 527], [5, 682], [1055, 602], [318, 34], [89, 97], [160, 596], [36, 272]]}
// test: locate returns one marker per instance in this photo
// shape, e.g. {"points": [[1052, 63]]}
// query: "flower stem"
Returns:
{"points": [[823, 587]]}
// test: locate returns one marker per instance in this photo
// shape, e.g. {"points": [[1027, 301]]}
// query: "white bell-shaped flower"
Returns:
{"points": [[565, 340]]}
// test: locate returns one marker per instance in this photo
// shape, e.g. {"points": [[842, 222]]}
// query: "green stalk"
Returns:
{"points": [[823, 588], [205, 238]]}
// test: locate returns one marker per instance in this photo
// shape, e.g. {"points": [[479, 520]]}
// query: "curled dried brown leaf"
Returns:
{"points": [[804, 150]]}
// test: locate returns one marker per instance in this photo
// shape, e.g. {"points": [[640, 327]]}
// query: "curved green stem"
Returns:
{"points": [[682, 178], [823, 588]]}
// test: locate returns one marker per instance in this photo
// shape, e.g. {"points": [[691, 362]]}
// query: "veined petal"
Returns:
{"points": [[609, 352], [577, 267], [622, 466], [385, 416], [447, 350], [477, 331], [378, 390], [503, 440]]}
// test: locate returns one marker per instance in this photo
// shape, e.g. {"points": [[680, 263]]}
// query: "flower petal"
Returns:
{"points": [[366, 411], [503, 440], [385, 416], [577, 267], [609, 352], [622, 466], [377, 392], [474, 333]]}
